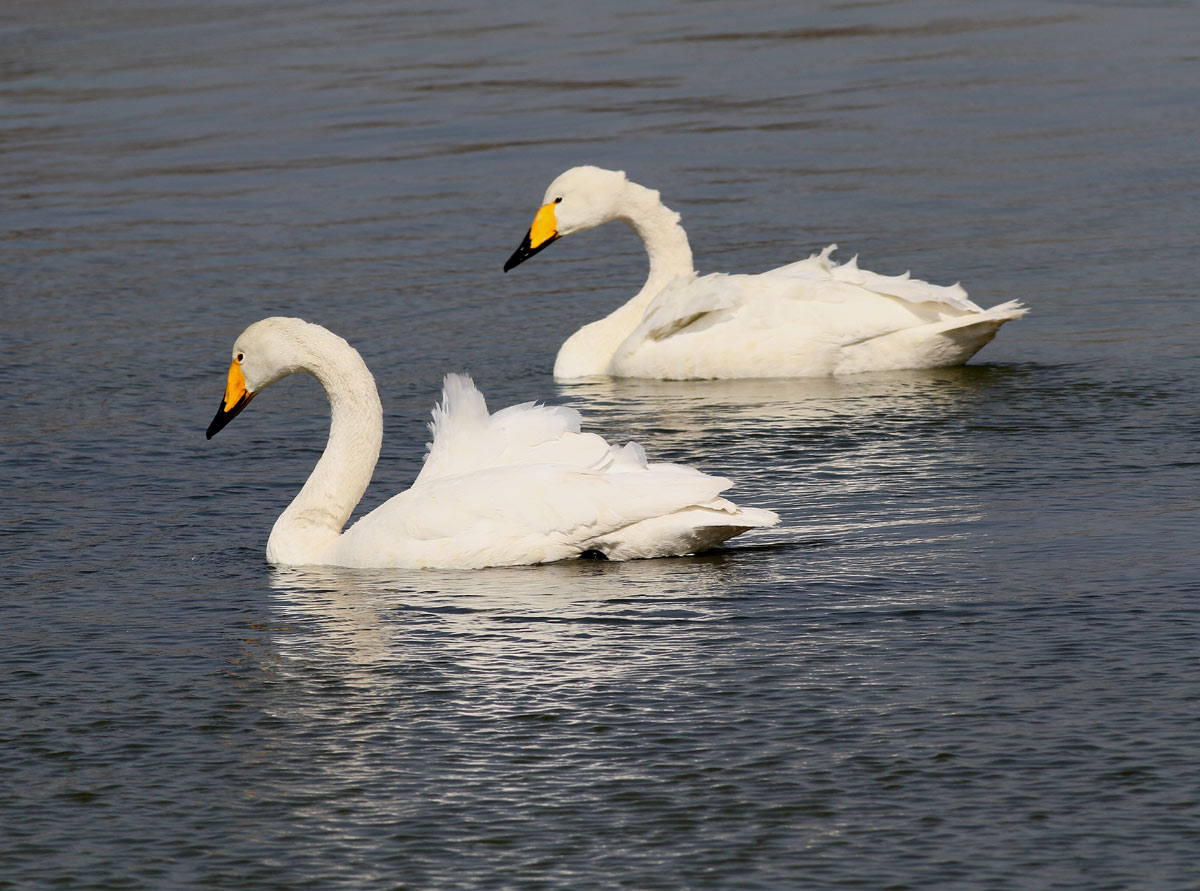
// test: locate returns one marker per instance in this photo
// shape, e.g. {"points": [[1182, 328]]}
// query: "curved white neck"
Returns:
{"points": [[314, 519], [588, 351], [665, 241]]}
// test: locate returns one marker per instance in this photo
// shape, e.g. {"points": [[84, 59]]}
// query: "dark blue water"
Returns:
{"points": [[970, 656]]}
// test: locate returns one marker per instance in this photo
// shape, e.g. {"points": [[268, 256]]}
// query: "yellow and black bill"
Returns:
{"points": [[236, 398], [541, 235]]}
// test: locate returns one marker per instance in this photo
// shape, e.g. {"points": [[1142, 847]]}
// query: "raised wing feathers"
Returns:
{"points": [[467, 438]]}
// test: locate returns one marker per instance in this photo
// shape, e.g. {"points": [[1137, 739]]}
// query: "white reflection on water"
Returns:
{"points": [[689, 409], [372, 617]]}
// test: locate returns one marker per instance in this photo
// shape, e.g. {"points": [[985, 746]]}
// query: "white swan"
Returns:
{"points": [[522, 485], [808, 319]]}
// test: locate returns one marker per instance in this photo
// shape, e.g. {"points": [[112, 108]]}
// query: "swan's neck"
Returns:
{"points": [[313, 521], [666, 242], [589, 350]]}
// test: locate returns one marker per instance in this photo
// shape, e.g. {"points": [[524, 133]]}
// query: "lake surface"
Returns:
{"points": [[969, 657]]}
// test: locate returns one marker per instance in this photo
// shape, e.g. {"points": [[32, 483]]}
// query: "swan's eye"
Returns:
{"points": [[240, 356], [558, 200]]}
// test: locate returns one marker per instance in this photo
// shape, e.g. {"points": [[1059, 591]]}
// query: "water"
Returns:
{"points": [[967, 659]]}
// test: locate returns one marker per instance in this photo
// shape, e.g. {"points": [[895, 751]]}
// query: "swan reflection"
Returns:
{"points": [[808, 447], [371, 618], [788, 403]]}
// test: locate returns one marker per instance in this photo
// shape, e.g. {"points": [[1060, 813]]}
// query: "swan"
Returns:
{"points": [[519, 486], [808, 319]]}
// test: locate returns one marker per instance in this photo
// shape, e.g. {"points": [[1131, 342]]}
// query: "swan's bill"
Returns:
{"points": [[236, 398], [541, 234]]}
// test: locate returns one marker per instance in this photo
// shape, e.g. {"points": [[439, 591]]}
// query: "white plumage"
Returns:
{"points": [[523, 485], [807, 319]]}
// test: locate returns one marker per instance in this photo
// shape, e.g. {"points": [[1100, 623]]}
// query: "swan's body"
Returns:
{"points": [[519, 486], [807, 319]]}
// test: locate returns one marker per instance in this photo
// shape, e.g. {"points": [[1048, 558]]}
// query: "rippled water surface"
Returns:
{"points": [[969, 656]]}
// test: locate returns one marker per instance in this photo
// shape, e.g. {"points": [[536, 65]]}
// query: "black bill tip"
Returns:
{"points": [[223, 417], [524, 252]]}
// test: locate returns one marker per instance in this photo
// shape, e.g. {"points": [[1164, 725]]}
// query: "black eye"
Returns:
{"points": [[240, 357], [558, 200]]}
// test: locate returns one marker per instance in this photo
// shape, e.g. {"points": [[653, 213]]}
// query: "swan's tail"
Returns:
{"points": [[1006, 312], [960, 339], [982, 324], [688, 531], [936, 345]]}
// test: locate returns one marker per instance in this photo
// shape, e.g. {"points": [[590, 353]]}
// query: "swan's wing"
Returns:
{"points": [[547, 499], [466, 437], [530, 513], [687, 300]]}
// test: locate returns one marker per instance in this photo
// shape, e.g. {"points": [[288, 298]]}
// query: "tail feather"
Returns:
{"points": [[1012, 309]]}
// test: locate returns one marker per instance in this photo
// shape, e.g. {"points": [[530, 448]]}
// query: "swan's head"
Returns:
{"points": [[264, 353], [581, 198]]}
